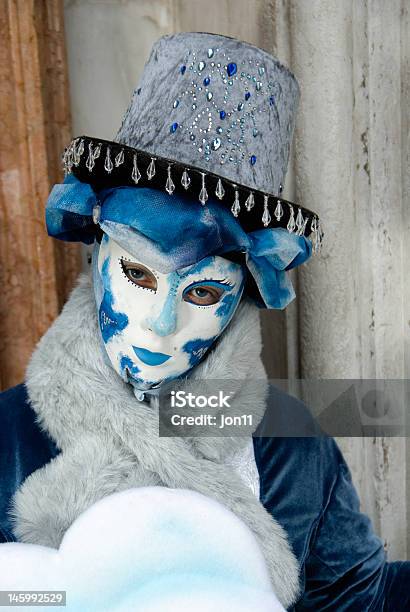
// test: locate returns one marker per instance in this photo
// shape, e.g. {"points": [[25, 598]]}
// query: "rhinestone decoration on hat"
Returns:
{"points": [[236, 95]]}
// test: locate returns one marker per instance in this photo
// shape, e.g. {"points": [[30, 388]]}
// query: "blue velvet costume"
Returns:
{"points": [[342, 561]]}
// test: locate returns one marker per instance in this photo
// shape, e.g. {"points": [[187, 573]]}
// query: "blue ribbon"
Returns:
{"points": [[69, 211], [176, 225], [273, 252]]}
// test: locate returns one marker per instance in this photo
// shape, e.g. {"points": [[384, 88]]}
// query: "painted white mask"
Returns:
{"points": [[156, 326]]}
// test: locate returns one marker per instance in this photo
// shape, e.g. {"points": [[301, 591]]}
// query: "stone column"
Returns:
{"points": [[352, 62], [35, 272]]}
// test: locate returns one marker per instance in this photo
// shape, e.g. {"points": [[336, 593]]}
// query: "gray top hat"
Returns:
{"points": [[211, 116]]}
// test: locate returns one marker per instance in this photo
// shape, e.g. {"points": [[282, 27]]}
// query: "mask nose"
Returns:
{"points": [[165, 323], [162, 327]]}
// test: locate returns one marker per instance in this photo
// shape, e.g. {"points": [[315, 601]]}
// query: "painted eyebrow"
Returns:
{"points": [[213, 283], [123, 260], [133, 261]]}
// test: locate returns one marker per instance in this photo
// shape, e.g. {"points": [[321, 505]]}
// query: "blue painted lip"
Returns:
{"points": [[149, 357]]}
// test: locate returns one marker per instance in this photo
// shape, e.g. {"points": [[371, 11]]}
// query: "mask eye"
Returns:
{"points": [[139, 275], [203, 295]]}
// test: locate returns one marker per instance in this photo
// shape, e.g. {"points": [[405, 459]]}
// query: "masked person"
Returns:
{"points": [[190, 234]]}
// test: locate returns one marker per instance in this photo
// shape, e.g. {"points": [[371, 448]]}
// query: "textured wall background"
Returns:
{"points": [[350, 162], [36, 274]]}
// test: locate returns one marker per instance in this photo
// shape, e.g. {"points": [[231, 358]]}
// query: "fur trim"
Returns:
{"points": [[109, 440]]}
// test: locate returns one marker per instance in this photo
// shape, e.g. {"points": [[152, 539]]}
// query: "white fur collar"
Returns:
{"points": [[110, 441]]}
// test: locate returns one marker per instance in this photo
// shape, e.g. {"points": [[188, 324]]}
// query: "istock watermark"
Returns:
{"points": [[182, 399], [206, 408], [220, 418], [286, 408]]}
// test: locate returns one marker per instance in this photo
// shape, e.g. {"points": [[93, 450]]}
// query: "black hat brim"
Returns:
{"points": [[86, 157]]}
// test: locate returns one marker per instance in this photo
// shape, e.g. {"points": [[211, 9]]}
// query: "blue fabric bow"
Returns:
{"points": [[175, 231]]}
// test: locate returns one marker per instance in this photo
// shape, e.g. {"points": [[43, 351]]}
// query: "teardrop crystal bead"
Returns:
{"points": [[78, 151], [97, 152], [250, 202], [203, 195], [151, 169], [318, 235], [169, 185], [108, 165], [185, 180], [219, 191], [278, 211], [291, 226], [301, 230], [236, 207], [299, 219], [136, 174], [90, 163], [68, 158], [119, 158], [266, 218]]}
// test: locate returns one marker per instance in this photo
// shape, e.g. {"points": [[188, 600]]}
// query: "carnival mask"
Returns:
{"points": [[157, 326]]}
